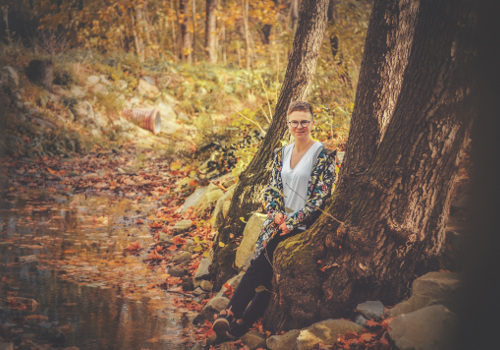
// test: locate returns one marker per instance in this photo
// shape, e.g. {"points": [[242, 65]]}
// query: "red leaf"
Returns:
{"points": [[135, 246]]}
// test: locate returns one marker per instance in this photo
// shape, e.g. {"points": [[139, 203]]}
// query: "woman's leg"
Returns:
{"points": [[259, 273]]}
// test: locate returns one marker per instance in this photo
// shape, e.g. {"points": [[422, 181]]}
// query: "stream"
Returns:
{"points": [[67, 280]]}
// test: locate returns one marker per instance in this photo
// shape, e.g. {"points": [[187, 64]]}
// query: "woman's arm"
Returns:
{"points": [[274, 191], [321, 182]]}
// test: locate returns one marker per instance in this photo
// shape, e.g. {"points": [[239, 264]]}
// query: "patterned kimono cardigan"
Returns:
{"points": [[319, 188]]}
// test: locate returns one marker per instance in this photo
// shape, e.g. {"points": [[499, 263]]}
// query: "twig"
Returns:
{"points": [[252, 121], [317, 207], [267, 98]]}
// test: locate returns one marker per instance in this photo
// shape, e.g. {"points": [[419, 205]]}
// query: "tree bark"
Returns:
{"points": [[410, 124], [246, 34], [210, 31], [248, 196]]}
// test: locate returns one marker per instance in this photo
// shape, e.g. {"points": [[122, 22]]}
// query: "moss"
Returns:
{"points": [[296, 250]]}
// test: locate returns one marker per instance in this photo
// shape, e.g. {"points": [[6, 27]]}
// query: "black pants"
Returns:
{"points": [[260, 273]]}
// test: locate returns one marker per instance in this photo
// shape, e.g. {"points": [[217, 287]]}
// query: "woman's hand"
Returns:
{"points": [[284, 229], [279, 218]]}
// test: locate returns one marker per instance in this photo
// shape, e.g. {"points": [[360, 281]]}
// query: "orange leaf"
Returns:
{"points": [[134, 246], [172, 248], [178, 240]]}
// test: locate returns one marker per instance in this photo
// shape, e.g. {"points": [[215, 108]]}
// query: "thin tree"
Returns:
{"points": [[248, 196], [210, 30], [410, 125]]}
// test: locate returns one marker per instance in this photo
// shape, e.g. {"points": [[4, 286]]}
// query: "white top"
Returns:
{"points": [[295, 180]]}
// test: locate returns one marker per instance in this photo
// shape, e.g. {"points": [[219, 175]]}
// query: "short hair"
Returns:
{"points": [[301, 106]]}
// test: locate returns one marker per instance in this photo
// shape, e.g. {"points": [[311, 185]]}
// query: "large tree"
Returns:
{"points": [[410, 124], [248, 196]]}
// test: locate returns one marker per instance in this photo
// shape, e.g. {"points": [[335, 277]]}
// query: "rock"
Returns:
{"points": [[6, 346], [197, 346], [286, 341], [213, 307], [146, 89], [202, 198], [28, 259], [182, 257], [205, 285], [121, 85], [77, 92], [361, 320], [177, 271], [83, 110], [431, 289], [371, 309], [9, 77], [202, 270], [222, 207], [250, 235], [254, 340], [182, 225], [198, 291], [232, 282], [92, 80], [325, 332], [100, 89], [433, 327]]}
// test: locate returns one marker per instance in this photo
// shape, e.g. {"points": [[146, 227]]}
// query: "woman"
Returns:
{"points": [[302, 177]]}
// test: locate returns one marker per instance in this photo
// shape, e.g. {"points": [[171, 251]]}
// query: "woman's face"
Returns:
{"points": [[301, 131]]}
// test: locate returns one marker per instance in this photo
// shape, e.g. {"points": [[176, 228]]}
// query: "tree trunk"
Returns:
{"points": [[193, 40], [334, 45], [210, 31], [410, 124], [248, 196], [294, 13], [246, 34]]}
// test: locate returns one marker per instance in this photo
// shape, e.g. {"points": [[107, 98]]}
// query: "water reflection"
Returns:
{"points": [[68, 255]]}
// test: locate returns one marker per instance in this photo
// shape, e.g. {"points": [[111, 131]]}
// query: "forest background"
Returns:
{"points": [[222, 61]]}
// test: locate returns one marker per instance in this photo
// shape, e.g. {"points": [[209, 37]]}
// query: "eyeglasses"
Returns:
{"points": [[303, 123]]}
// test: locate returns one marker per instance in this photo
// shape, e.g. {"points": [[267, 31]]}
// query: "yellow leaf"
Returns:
{"points": [[222, 245]]}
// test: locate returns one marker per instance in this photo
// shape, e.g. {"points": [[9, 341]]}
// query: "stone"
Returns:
{"points": [[250, 235], [202, 270], [177, 271], [6, 346], [197, 346], [202, 198], [100, 89], [182, 225], [77, 92], [254, 340], [205, 285], [9, 77], [83, 110], [431, 289], [371, 309], [431, 328], [182, 257], [92, 80], [121, 84], [222, 207], [326, 331], [232, 282], [213, 307], [146, 89], [198, 291], [361, 320], [286, 341]]}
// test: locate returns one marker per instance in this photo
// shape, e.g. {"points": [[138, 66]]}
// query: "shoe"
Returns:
{"points": [[222, 325], [237, 330]]}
